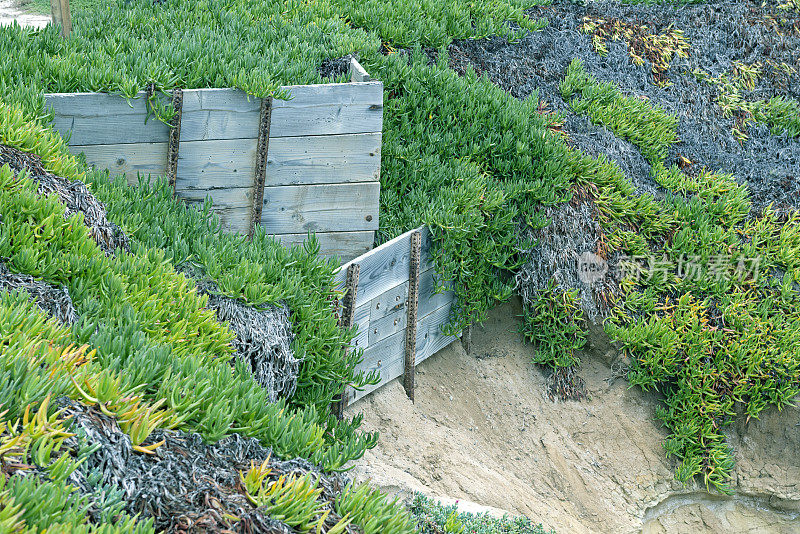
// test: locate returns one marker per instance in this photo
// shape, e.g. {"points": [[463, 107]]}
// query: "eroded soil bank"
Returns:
{"points": [[483, 430]]}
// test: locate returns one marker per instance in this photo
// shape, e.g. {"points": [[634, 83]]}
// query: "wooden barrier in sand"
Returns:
{"points": [[390, 296]]}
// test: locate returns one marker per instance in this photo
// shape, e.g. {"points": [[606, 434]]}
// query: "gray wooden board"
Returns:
{"points": [[361, 320], [131, 160], [428, 300], [295, 209], [324, 109], [389, 302], [321, 208], [215, 165], [291, 161], [386, 326], [230, 163], [357, 72], [386, 266], [324, 159], [222, 199], [388, 355], [345, 108], [344, 245], [103, 119], [430, 338]]}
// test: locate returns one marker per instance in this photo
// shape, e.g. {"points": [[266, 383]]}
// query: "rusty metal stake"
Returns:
{"points": [[411, 309], [346, 321], [174, 138], [261, 165], [466, 339]]}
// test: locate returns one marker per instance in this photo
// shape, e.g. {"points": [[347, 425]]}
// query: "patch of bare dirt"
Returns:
{"points": [[14, 10], [482, 430]]}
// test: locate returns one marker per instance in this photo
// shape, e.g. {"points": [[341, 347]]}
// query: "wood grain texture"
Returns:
{"points": [[357, 72], [387, 355], [362, 322], [324, 109], [428, 299], [325, 159], [430, 338], [130, 160], [297, 208], [389, 302], [321, 208], [386, 326], [216, 165], [103, 119], [219, 164], [386, 266], [208, 114]]}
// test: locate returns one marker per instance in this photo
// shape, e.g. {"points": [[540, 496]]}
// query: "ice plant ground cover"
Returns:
{"points": [[694, 216]]}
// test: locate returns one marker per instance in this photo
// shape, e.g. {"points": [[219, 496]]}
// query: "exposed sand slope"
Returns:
{"points": [[482, 430]]}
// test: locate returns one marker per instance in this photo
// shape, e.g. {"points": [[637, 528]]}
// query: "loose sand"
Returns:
{"points": [[481, 430]]}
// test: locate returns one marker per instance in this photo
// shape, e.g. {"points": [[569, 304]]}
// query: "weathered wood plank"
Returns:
{"points": [[389, 302], [216, 114], [222, 199], [383, 268], [339, 94], [357, 72], [301, 96], [215, 165], [321, 208], [324, 109], [230, 163], [128, 159], [362, 321], [324, 159], [291, 161], [103, 119], [428, 300], [386, 326], [344, 245], [430, 338], [387, 355], [386, 266], [287, 209]]}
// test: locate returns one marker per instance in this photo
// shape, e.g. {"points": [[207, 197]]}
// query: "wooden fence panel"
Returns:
{"points": [[102, 119], [322, 162], [381, 309]]}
